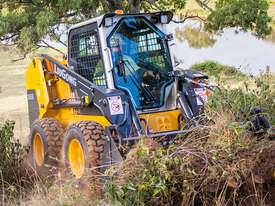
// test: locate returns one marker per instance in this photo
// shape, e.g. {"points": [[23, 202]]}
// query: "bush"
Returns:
{"points": [[225, 165], [11, 154], [215, 167], [204, 170], [215, 69]]}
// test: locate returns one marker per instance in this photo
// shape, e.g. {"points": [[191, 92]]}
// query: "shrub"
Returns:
{"points": [[11, 154], [224, 165], [215, 69], [215, 167]]}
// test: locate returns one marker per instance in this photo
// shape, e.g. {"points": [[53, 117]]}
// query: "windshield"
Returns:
{"points": [[141, 61]]}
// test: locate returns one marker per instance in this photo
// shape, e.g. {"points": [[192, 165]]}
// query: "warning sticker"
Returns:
{"points": [[201, 92], [115, 105]]}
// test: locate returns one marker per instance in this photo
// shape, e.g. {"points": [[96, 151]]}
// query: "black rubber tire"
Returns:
{"points": [[91, 137], [52, 135]]}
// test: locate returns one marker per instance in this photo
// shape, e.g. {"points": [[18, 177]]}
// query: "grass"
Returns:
{"points": [[61, 193], [214, 69], [13, 98], [246, 91], [229, 76]]}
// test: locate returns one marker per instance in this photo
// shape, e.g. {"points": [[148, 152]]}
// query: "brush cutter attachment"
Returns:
{"points": [[259, 121]]}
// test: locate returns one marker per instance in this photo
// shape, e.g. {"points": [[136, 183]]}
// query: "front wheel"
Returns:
{"points": [[46, 140], [83, 147]]}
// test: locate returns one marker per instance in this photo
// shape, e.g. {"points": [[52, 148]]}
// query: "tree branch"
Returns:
{"points": [[154, 4], [53, 33], [114, 4], [204, 5], [187, 17], [7, 37], [66, 15], [134, 6], [21, 58], [49, 46], [61, 42]]}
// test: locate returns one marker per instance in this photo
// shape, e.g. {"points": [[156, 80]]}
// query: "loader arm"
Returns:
{"points": [[90, 93], [102, 98]]}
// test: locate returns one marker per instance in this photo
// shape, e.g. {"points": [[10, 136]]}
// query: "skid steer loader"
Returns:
{"points": [[118, 84]]}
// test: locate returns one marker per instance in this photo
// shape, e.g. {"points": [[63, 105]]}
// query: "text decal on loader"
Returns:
{"points": [[115, 105], [65, 75]]}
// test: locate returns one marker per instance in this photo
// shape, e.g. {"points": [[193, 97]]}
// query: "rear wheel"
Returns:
{"points": [[46, 140], [83, 147]]}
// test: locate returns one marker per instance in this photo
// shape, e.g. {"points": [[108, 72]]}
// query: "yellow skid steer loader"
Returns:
{"points": [[118, 84]]}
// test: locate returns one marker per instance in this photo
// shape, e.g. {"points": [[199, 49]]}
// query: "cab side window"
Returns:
{"points": [[85, 54]]}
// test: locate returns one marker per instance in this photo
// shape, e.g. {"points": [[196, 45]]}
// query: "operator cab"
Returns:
{"points": [[128, 52]]}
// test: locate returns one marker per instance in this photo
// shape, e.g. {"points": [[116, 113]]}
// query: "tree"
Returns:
{"points": [[26, 23]]}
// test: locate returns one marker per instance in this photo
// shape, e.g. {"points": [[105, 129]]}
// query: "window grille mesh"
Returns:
{"points": [[85, 56], [148, 44]]}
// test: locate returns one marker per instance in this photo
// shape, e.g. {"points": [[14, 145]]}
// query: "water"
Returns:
{"points": [[243, 50]]}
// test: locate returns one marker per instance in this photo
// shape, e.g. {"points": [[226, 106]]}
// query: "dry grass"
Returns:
{"points": [[13, 98], [62, 193]]}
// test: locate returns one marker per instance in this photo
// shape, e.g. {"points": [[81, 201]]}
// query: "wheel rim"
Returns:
{"points": [[76, 158], [38, 149]]}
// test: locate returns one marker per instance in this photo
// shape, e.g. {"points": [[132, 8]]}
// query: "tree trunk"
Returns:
{"points": [[114, 5], [134, 6]]}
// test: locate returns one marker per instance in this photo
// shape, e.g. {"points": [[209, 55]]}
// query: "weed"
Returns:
{"points": [[11, 156], [11, 152], [239, 101]]}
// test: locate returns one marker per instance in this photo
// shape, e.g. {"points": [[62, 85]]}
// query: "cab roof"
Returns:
{"points": [[100, 19]]}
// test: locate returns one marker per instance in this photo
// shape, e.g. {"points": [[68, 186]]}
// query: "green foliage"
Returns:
{"points": [[244, 14], [149, 185], [11, 153], [27, 23], [239, 101], [198, 171], [215, 69]]}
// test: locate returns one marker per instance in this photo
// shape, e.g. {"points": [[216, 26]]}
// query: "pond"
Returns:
{"points": [[241, 50]]}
